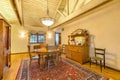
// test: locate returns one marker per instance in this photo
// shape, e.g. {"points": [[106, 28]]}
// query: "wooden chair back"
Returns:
{"points": [[45, 45], [98, 52], [36, 47], [52, 47]]}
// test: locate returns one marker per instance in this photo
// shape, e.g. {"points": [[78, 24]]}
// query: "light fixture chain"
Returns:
{"points": [[47, 9], [47, 21]]}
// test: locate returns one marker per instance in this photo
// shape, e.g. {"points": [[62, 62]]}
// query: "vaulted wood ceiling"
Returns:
{"points": [[29, 12]]}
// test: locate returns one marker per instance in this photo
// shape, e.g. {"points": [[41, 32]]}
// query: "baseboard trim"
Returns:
{"points": [[108, 67], [113, 68], [19, 53]]}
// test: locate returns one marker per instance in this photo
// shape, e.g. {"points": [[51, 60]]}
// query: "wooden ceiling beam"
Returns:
{"points": [[22, 17], [61, 13], [16, 11], [74, 6], [57, 8], [60, 7], [67, 5]]}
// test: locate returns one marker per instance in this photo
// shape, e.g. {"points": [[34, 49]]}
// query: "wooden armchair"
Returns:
{"points": [[32, 55], [99, 56], [44, 45], [51, 59]]}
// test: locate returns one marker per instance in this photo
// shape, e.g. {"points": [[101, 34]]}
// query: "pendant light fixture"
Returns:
{"points": [[47, 21]]}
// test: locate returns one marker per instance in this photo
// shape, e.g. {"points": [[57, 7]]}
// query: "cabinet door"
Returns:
{"points": [[4, 46], [68, 53], [77, 57], [9, 46], [1, 50], [6, 43], [5, 37], [1, 61]]}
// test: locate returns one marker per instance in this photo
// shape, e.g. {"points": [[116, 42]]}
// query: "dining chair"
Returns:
{"points": [[43, 56], [99, 56], [45, 45], [58, 54], [51, 59], [48, 58], [32, 55]]}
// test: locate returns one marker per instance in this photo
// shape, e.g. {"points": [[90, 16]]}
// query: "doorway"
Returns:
{"points": [[57, 38]]}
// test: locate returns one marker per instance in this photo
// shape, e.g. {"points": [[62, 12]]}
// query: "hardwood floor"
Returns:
{"points": [[10, 73]]}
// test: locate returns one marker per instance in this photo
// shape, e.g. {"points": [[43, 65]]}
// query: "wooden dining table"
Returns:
{"points": [[43, 54]]}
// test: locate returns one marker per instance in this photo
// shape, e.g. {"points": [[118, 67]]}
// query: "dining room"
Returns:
{"points": [[58, 39]]}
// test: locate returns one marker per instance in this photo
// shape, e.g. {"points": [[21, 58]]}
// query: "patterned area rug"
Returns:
{"points": [[64, 70]]}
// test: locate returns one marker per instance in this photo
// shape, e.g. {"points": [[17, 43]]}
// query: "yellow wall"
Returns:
{"points": [[104, 28], [18, 43]]}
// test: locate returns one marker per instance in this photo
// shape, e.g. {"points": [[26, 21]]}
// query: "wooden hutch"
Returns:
{"points": [[78, 46], [5, 46]]}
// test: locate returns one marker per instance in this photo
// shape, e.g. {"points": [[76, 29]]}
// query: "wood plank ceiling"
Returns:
{"points": [[29, 12]]}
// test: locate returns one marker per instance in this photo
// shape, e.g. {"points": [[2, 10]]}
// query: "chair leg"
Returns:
{"points": [[55, 61], [101, 65], [96, 62], [104, 64], [48, 65]]}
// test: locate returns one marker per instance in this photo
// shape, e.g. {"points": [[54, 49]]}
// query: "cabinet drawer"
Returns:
{"points": [[77, 57], [68, 54]]}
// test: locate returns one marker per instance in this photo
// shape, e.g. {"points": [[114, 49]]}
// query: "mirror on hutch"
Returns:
{"points": [[78, 37]]}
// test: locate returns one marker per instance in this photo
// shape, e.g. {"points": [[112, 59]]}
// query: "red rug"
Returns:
{"points": [[64, 70]]}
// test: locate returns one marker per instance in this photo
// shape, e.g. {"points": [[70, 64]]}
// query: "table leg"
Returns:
{"points": [[39, 59]]}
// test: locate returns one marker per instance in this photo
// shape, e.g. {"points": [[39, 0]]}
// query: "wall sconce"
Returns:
{"points": [[22, 34]]}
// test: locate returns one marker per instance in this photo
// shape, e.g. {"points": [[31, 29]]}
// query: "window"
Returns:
{"points": [[37, 38], [40, 37], [33, 38]]}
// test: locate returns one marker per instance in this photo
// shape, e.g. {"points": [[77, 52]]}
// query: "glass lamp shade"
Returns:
{"points": [[47, 21]]}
